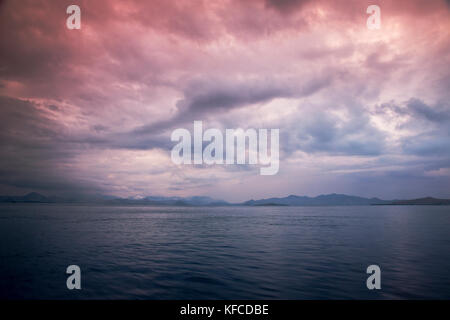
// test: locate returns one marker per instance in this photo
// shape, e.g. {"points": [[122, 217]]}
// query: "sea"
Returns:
{"points": [[230, 252]]}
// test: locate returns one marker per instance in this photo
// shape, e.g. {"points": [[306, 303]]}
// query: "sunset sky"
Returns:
{"points": [[90, 111]]}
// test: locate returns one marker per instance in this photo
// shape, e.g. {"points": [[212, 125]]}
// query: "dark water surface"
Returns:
{"points": [[225, 252]]}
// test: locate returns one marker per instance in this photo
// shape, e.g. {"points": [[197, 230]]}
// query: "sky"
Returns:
{"points": [[91, 111]]}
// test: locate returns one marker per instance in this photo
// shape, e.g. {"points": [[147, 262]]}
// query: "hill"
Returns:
{"points": [[322, 200], [420, 202]]}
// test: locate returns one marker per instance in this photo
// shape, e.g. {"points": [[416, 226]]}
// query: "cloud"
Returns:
{"points": [[420, 109], [92, 110], [286, 6], [213, 97], [327, 132], [36, 152], [427, 126]]}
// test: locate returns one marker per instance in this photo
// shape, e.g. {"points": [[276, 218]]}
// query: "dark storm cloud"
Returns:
{"points": [[35, 152], [24, 125], [214, 97], [286, 6], [324, 132], [437, 114], [38, 152], [207, 100]]}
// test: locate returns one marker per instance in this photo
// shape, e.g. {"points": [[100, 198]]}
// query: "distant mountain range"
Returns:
{"points": [[30, 197], [421, 201], [170, 201], [292, 200], [34, 197], [322, 200]]}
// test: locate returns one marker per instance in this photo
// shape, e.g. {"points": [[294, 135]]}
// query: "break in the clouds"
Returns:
{"points": [[360, 111]]}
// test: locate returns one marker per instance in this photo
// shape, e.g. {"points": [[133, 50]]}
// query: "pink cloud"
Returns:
{"points": [[153, 65]]}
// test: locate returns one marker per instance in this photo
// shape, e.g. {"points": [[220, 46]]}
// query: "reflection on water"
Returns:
{"points": [[224, 252]]}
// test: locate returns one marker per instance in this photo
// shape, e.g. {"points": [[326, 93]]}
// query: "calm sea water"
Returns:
{"points": [[224, 252]]}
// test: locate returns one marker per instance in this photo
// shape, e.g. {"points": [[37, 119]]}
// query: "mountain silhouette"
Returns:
{"points": [[322, 200], [30, 197], [333, 199]]}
